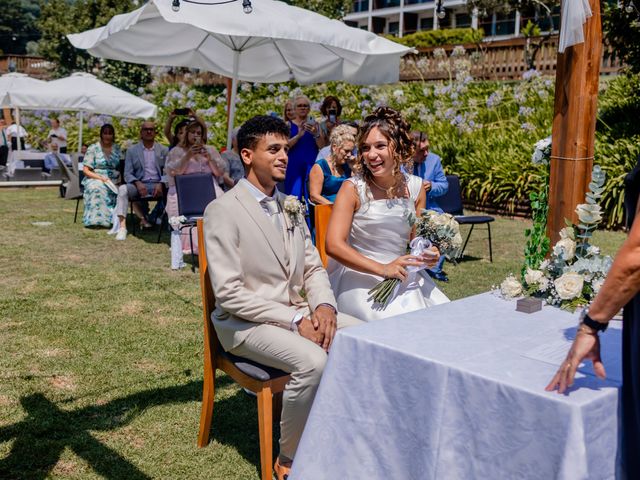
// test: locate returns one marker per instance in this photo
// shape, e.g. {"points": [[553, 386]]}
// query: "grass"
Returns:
{"points": [[101, 349]]}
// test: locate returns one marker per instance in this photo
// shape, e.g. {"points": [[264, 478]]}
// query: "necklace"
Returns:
{"points": [[379, 187]]}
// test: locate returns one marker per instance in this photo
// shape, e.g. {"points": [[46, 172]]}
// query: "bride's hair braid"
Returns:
{"points": [[393, 126]]}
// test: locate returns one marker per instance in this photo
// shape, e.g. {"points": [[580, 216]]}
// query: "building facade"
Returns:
{"points": [[403, 17]]}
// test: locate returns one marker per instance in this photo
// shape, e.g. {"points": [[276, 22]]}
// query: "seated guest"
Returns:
{"points": [[233, 163], [50, 161], [427, 165], [58, 135], [327, 175], [191, 156], [260, 312], [289, 111], [143, 167], [100, 164]]}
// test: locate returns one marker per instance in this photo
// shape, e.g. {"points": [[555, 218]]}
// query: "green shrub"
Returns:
{"points": [[436, 38]]}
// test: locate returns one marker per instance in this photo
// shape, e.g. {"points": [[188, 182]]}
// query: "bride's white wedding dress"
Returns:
{"points": [[380, 231]]}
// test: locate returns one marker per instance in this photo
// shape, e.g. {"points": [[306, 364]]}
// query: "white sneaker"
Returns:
{"points": [[122, 234]]}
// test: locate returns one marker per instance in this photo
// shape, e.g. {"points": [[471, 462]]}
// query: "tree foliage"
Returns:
{"points": [[622, 32], [336, 9], [18, 25], [61, 17]]}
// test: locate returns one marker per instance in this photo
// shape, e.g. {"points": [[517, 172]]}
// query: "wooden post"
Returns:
{"points": [[574, 122], [228, 81]]}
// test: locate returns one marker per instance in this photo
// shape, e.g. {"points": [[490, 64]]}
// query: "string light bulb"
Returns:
{"points": [[175, 5], [246, 6]]}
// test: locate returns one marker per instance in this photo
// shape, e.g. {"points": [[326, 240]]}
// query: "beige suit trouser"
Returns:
{"points": [[288, 351]]}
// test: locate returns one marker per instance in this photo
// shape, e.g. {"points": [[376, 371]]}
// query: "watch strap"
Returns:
{"points": [[591, 323]]}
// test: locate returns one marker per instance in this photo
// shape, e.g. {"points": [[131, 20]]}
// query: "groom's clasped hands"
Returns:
{"points": [[320, 327]]}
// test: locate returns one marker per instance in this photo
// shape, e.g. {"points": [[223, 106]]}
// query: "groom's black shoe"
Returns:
{"points": [[438, 276]]}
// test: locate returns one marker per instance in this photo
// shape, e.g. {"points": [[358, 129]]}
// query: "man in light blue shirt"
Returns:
{"points": [[427, 165], [50, 161]]}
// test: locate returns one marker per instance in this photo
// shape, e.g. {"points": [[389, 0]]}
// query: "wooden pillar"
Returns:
{"points": [[574, 122]]}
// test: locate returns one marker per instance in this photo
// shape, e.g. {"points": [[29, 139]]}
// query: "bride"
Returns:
{"points": [[369, 227]]}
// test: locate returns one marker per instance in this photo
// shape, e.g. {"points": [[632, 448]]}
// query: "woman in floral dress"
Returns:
{"points": [[100, 165]]}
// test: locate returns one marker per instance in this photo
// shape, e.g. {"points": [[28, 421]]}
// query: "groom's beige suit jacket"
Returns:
{"points": [[258, 274]]}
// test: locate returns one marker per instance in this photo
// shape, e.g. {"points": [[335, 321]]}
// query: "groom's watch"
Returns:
{"points": [[585, 319]]}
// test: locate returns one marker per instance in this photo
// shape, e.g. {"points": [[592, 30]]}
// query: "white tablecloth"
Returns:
{"points": [[457, 392]]}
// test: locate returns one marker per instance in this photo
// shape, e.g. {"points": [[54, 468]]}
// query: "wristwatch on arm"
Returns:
{"points": [[590, 326]]}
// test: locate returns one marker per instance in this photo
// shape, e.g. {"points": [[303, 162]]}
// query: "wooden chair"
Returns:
{"points": [[321, 222], [267, 383]]}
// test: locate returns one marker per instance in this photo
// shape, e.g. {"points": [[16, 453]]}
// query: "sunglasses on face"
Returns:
{"points": [[148, 129]]}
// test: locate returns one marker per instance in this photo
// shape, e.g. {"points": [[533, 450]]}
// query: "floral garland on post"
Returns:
{"points": [[575, 271], [537, 246]]}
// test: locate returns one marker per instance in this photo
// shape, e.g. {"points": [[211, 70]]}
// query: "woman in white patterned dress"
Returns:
{"points": [[369, 228]]}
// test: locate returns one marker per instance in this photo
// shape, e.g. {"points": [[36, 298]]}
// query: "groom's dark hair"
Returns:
{"points": [[257, 127]]}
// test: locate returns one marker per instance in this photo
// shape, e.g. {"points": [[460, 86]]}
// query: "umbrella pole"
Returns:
{"points": [[80, 132], [19, 128], [234, 90]]}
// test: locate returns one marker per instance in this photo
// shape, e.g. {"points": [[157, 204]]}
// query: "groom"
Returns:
{"points": [[274, 304]]}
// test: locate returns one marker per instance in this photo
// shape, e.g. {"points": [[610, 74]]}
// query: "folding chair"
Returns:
{"points": [[266, 382], [322, 213], [451, 203], [194, 193]]}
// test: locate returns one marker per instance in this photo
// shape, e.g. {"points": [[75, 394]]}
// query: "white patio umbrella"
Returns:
{"points": [[275, 43], [12, 82], [85, 93]]}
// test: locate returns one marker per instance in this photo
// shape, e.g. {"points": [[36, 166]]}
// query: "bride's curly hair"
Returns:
{"points": [[401, 146]]}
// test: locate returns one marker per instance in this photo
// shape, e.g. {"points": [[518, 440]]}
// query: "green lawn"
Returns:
{"points": [[101, 349]]}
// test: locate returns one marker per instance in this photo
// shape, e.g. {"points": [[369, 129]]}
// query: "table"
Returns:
{"points": [[457, 392]]}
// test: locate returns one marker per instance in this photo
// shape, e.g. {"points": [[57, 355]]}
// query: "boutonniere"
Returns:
{"points": [[295, 209]]}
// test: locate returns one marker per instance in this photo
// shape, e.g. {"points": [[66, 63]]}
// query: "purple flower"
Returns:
{"points": [[525, 111], [527, 127], [530, 74], [494, 99]]}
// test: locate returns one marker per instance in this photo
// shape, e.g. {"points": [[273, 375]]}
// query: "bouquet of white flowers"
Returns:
{"points": [[575, 271], [432, 228]]}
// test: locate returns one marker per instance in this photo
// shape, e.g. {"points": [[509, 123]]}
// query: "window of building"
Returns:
{"points": [[413, 2], [505, 24], [426, 23], [394, 28], [463, 20], [361, 5], [386, 3]]}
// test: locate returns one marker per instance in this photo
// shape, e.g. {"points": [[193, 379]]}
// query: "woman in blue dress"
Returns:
{"points": [[304, 144], [327, 175], [100, 165]]}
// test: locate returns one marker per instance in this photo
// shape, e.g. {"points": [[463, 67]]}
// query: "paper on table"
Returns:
{"points": [[111, 186], [553, 352]]}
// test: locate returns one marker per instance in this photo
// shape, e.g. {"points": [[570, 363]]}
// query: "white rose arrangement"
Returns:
{"points": [[177, 221], [575, 271]]}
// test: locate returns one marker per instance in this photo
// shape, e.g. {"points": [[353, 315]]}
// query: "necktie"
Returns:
{"points": [[272, 208]]}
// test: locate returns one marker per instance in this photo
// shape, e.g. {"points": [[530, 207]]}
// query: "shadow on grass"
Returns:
{"points": [[41, 438]]}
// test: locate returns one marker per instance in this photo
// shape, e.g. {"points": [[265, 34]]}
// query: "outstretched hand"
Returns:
{"points": [[585, 346]]}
